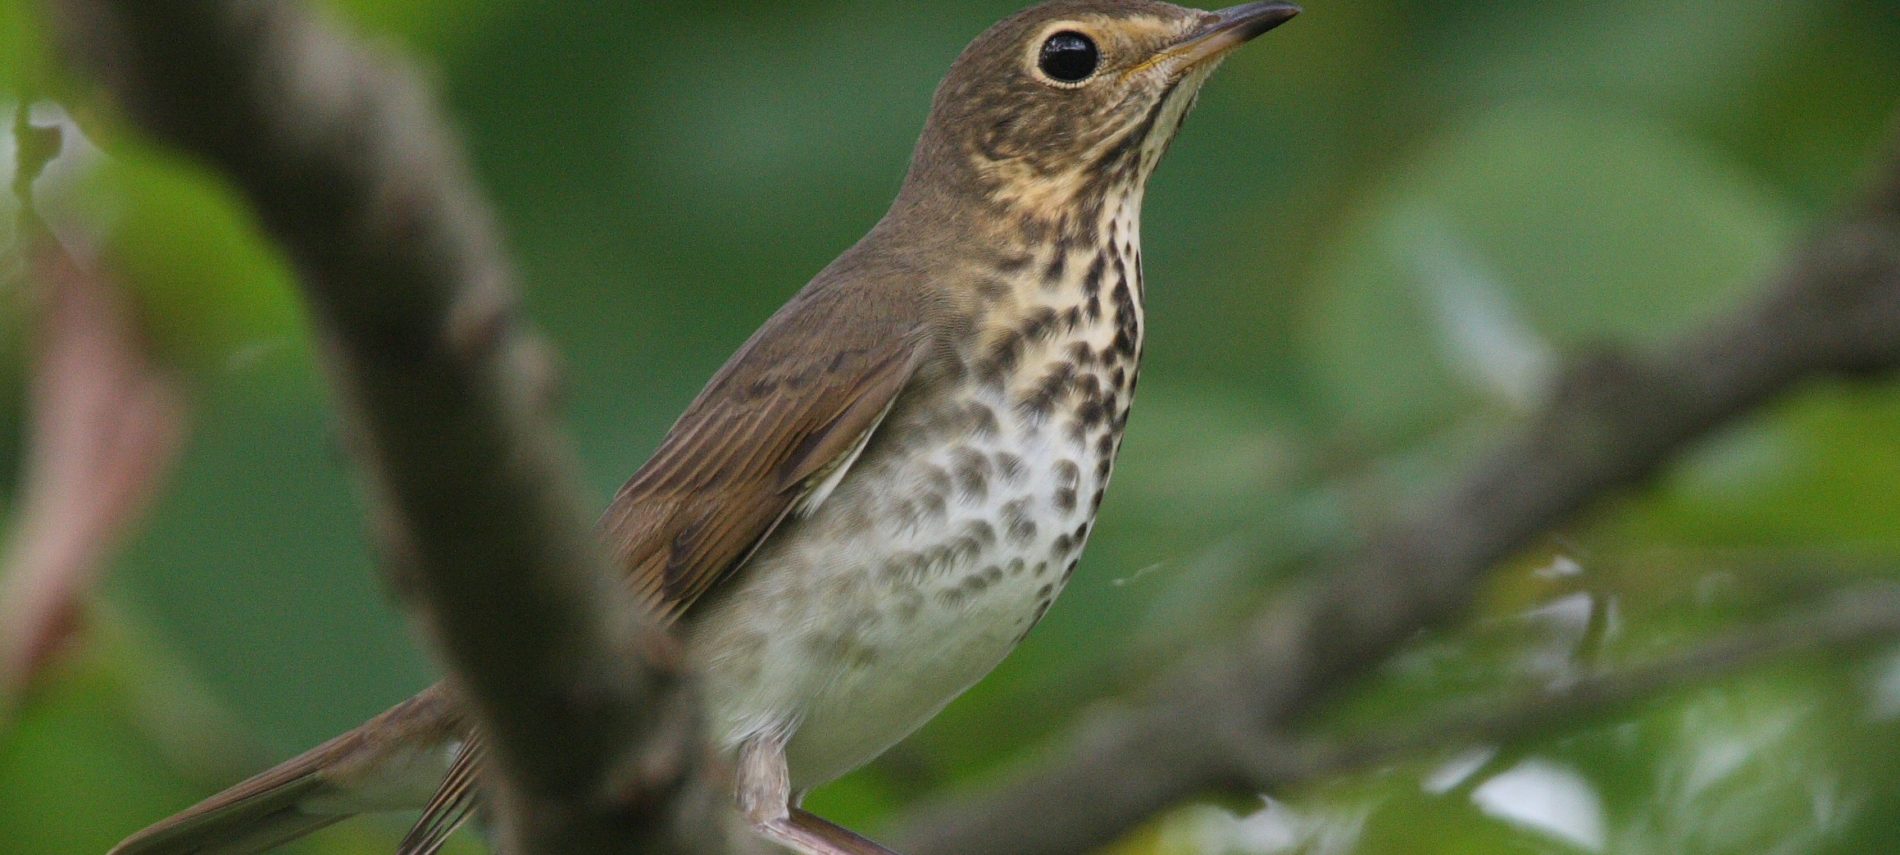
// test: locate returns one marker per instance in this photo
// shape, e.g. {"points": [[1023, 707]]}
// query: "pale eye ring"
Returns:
{"points": [[1068, 57]]}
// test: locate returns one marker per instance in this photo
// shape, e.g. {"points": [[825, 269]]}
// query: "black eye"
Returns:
{"points": [[1068, 57]]}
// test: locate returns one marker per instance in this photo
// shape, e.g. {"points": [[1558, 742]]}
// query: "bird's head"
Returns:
{"points": [[1069, 102]]}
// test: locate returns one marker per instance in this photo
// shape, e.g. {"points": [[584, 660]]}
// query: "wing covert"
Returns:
{"points": [[770, 425]]}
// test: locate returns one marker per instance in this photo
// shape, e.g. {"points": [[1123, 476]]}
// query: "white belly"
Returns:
{"points": [[913, 580]]}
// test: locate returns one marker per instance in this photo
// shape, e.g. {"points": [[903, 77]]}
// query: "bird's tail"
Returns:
{"points": [[392, 762]]}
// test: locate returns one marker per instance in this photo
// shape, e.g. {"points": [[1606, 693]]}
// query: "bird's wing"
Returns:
{"points": [[454, 802], [309, 791], [791, 407]]}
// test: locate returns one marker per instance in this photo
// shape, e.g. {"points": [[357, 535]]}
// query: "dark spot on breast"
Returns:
{"points": [[936, 559], [1127, 316], [932, 505], [1009, 466], [1017, 566], [981, 531], [1069, 570], [1062, 545], [1003, 357], [1095, 501], [982, 419], [1065, 499], [1090, 413], [1039, 324], [1067, 233], [1092, 280], [1052, 275], [901, 565], [973, 473], [962, 550], [1036, 404], [936, 478], [1016, 521]]}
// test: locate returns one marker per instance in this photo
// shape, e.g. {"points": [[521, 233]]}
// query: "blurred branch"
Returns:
{"points": [[1613, 421], [1849, 621], [106, 425], [593, 733]]}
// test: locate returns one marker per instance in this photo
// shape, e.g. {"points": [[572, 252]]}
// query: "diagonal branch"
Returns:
{"points": [[1847, 622], [1612, 422], [337, 147]]}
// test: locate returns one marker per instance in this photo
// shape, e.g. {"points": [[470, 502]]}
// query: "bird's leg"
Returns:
{"points": [[765, 797]]}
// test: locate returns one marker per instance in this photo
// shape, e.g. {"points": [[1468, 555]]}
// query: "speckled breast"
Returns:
{"points": [[949, 538]]}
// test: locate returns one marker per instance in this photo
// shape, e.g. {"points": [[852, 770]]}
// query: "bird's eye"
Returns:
{"points": [[1068, 57]]}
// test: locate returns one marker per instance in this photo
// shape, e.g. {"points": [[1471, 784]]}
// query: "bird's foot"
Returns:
{"points": [[765, 797]]}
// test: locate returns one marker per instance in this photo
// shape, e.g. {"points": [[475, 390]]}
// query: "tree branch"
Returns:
{"points": [[1612, 422], [593, 731], [1848, 621]]}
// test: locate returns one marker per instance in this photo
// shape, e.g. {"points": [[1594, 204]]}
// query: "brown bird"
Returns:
{"points": [[882, 492]]}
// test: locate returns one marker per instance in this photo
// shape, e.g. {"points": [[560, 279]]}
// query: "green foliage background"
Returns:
{"points": [[1386, 224]]}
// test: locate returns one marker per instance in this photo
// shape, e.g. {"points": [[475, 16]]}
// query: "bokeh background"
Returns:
{"points": [[1386, 226]]}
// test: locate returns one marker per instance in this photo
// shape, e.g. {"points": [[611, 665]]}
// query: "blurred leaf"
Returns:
{"points": [[78, 768], [23, 53], [1525, 232], [1802, 476], [212, 291]]}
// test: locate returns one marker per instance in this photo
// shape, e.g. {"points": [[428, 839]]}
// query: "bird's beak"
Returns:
{"points": [[1230, 28]]}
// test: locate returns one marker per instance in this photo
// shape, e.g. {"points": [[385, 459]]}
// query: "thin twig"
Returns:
{"points": [[1847, 623]]}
